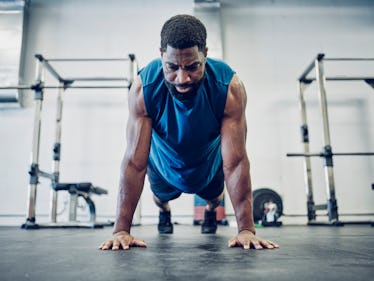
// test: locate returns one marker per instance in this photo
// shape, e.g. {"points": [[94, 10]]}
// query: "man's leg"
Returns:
{"points": [[213, 195], [209, 225], [162, 194], [165, 225]]}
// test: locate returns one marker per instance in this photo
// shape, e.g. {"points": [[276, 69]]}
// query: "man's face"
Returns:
{"points": [[183, 71]]}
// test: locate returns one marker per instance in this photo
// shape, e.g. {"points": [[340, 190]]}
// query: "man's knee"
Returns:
{"points": [[215, 202], [163, 205]]}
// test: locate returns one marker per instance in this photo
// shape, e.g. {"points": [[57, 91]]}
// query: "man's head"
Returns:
{"points": [[183, 31], [183, 51]]}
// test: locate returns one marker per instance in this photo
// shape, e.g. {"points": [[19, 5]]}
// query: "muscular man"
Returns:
{"points": [[187, 132]]}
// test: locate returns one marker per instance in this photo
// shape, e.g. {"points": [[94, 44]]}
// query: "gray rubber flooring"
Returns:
{"points": [[306, 253]]}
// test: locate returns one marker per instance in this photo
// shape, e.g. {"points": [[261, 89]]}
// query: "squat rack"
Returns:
{"points": [[83, 189], [331, 206]]}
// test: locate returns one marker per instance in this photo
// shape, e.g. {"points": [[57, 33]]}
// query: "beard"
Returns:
{"points": [[187, 96]]}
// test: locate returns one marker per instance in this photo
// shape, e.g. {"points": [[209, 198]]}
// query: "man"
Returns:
{"points": [[187, 132]]}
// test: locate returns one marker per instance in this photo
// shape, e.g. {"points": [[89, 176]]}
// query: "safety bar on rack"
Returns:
{"points": [[321, 57]]}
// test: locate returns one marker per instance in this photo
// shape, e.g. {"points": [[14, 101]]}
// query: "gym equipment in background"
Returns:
{"points": [[80, 189], [267, 207], [327, 154]]}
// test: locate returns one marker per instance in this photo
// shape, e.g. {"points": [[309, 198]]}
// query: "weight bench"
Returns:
{"points": [[83, 189]]}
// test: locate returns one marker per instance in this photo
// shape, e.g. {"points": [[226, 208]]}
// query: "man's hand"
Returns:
{"points": [[246, 239], [122, 240]]}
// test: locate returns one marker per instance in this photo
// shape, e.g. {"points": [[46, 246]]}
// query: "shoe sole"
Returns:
{"points": [[208, 231], [166, 231]]}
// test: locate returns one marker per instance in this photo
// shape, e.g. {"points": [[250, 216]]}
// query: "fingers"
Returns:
{"points": [[106, 245], [248, 241], [138, 243], [233, 242], [271, 244], [259, 244], [256, 244], [124, 242], [115, 246], [268, 244], [244, 242], [125, 245]]}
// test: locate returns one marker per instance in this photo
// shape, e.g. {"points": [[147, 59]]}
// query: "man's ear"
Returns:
{"points": [[161, 52], [206, 51]]}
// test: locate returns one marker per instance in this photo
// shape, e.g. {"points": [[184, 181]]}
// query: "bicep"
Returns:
{"points": [[234, 127], [139, 128]]}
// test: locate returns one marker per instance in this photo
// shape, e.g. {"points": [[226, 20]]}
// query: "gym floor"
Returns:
{"points": [[306, 253]]}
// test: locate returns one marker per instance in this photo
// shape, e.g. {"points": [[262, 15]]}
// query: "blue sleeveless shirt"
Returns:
{"points": [[186, 141]]}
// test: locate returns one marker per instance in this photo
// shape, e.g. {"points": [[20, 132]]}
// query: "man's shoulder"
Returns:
{"points": [[220, 70], [152, 66], [151, 72]]}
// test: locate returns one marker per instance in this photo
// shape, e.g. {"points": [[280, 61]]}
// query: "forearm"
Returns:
{"points": [[238, 182], [134, 163], [130, 189]]}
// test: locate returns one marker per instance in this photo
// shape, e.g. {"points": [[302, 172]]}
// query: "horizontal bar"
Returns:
{"points": [[31, 87], [91, 87], [321, 154], [302, 215], [97, 79], [341, 78], [304, 154], [327, 223], [320, 207], [87, 59], [46, 175], [348, 59], [16, 87], [354, 154]]}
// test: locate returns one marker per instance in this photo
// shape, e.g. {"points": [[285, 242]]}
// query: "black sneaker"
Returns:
{"points": [[209, 225], [164, 224]]}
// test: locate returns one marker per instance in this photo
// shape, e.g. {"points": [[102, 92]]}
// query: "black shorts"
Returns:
{"points": [[166, 192]]}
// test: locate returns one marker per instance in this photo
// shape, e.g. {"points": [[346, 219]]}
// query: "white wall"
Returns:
{"points": [[269, 44]]}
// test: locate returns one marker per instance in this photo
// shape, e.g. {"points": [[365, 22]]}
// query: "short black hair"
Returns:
{"points": [[183, 31]]}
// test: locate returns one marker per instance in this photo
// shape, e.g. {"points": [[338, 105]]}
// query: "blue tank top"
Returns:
{"points": [[186, 142]]}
